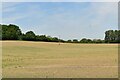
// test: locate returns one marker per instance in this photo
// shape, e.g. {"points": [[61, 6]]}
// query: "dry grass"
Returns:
{"points": [[41, 59]]}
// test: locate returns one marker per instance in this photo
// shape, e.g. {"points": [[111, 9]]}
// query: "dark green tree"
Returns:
{"points": [[98, 41], [112, 36], [75, 41], [55, 39], [0, 32], [11, 32], [69, 41], [84, 40], [30, 36]]}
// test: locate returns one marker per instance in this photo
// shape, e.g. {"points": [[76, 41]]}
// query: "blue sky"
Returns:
{"points": [[70, 20]]}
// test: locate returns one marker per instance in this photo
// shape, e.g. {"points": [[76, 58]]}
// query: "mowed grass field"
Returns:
{"points": [[25, 59]]}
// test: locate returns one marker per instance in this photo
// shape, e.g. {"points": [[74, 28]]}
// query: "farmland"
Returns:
{"points": [[27, 59]]}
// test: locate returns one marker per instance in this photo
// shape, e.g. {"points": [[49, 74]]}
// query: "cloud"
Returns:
{"points": [[107, 12], [69, 20], [97, 18], [99, 14], [15, 12]]}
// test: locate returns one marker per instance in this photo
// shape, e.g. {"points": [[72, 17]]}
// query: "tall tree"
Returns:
{"points": [[112, 36], [10, 32], [75, 41], [30, 36], [0, 32]]}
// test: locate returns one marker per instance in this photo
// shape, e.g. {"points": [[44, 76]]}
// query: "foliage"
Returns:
{"points": [[69, 41], [12, 32], [112, 36], [0, 32], [75, 41], [98, 41], [29, 36], [84, 40]]}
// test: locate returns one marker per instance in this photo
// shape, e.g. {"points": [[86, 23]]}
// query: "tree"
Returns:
{"points": [[75, 41], [118, 36], [98, 41], [69, 41], [30, 36], [112, 36], [55, 39], [89, 41], [0, 32], [84, 40], [61, 40], [10, 32], [43, 38], [116, 33]]}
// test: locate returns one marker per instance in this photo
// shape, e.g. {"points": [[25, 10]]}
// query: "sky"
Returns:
{"points": [[69, 20]]}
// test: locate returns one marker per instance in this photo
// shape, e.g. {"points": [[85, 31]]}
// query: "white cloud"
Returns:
{"points": [[66, 23], [96, 19], [102, 13], [16, 15]]}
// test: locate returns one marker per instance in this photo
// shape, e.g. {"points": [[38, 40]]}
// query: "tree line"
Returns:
{"points": [[112, 36], [13, 32]]}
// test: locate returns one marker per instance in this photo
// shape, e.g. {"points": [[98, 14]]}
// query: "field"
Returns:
{"points": [[23, 59]]}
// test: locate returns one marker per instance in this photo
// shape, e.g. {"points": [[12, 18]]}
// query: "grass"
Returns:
{"points": [[41, 59]]}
